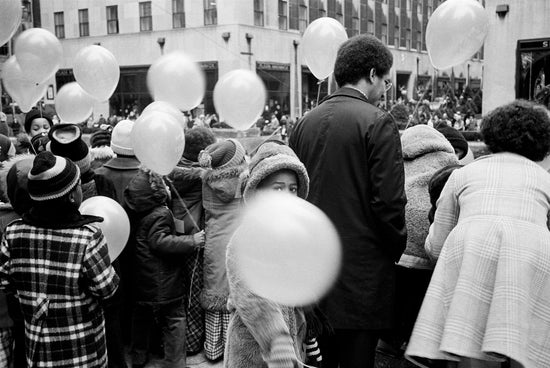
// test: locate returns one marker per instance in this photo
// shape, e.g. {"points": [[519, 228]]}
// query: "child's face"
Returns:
{"points": [[281, 181], [38, 126]]}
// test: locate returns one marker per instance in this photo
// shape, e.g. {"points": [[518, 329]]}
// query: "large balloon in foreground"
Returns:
{"points": [[166, 107], [455, 32], [239, 98], [97, 71], [21, 90], [320, 44], [177, 79], [10, 18], [292, 261], [158, 141], [39, 53], [73, 104], [115, 225]]}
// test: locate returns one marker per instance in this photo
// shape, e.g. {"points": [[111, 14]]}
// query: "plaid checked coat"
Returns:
{"points": [[489, 296], [60, 275]]}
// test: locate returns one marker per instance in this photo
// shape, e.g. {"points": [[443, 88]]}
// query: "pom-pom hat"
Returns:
{"points": [[66, 141], [222, 154], [51, 177]]}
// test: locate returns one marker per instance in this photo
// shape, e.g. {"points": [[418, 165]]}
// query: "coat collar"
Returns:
{"points": [[347, 92], [123, 163]]}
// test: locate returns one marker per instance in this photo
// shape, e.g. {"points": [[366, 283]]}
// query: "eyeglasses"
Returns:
{"points": [[387, 85]]}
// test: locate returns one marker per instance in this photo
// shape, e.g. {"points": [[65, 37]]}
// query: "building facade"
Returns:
{"points": [[260, 35]]}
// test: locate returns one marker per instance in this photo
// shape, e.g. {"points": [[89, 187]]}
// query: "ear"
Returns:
{"points": [[372, 74], [72, 197]]}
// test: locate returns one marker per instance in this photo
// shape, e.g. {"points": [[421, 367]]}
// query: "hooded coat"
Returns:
{"points": [[255, 321], [159, 253]]}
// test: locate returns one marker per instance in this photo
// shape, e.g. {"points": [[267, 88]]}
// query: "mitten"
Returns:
{"points": [[282, 354]]}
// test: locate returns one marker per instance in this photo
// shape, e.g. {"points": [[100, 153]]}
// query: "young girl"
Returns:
{"points": [[262, 333], [59, 267]]}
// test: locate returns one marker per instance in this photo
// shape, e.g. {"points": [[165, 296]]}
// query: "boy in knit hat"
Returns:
{"points": [[187, 207], [221, 198], [37, 125], [63, 317], [261, 331], [158, 277]]}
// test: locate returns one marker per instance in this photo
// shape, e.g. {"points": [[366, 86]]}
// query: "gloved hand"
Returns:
{"points": [[282, 354]]}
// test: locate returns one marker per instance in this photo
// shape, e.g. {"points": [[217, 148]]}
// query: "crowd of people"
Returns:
{"points": [[446, 262]]}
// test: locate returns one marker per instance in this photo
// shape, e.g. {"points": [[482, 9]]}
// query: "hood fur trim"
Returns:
{"points": [[421, 139]]}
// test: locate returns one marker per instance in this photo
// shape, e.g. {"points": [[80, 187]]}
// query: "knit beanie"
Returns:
{"points": [[422, 139], [51, 177], [66, 141], [456, 138], [121, 142], [222, 154], [35, 114], [197, 139], [272, 157], [100, 138]]}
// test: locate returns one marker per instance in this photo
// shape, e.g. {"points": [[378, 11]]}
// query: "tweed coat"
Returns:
{"points": [[60, 276], [489, 295]]}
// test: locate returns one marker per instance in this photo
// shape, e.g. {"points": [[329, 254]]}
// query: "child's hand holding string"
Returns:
{"points": [[199, 239]]}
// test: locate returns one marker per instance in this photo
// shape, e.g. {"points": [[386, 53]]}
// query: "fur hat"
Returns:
{"points": [[197, 139], [222, 154], [51, 177], [421, 139], [272, 157], [456, 138], [13, 179], [100, 138], [121, 140], [66, 141], [35, 114]]}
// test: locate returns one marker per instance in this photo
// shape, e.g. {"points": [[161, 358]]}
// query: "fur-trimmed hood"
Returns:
{"points": [[272, 157], [227, 182], [21, 174], [422, 139]]}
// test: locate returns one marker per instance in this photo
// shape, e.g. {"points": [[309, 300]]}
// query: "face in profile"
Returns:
{"points": [[281, 181], [39, 126]]}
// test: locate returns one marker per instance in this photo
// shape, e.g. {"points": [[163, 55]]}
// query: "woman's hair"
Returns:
{"points": [[520, 127], [358, 55]]}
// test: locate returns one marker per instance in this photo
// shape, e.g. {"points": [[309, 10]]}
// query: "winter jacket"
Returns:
{"points": [[96, 185], [100, 155], [352, 152], [425, 150], [221, 198], [159, 253], [120, 170]]}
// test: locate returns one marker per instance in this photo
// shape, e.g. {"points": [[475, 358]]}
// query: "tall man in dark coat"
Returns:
{"points": [[352, 152]]}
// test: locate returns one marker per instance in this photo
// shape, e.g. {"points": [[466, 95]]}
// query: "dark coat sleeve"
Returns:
{"points": [[161, 236], [387, 183]]}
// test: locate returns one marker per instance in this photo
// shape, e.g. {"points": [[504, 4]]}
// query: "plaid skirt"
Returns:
{"points": [[216, 332], [195, 312], [6, 347]]}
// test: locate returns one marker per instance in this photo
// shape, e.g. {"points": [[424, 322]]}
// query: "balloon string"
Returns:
{"points": [[193, 222], [265, 140], [319, 91], [302, 363], [416, 108]]}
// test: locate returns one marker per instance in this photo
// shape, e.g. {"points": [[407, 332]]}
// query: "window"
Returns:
{"points": [[351, 17], [112, 19], [418, 40], [210, 12], [59, 22], [259, 13], [384, 34], [83, 25], [297, 15], [316, 10], [145, 16], [408, 39], [370, 27], [178, 14], [283, 15], [334, 10], [419, 6]]}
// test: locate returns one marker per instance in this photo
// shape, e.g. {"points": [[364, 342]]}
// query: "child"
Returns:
{"points": [[37, 125], [221, 198], [261, 331], [58, 265], [158, 269]]}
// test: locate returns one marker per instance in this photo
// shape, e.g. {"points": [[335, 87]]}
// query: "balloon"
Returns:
{"points": [[21, 90], [292, 261], [456, 31], [320, 43], [115, 225], [10, 18], [73, 104], [166, 107], [97, 71], [239, 98], [39, 53], [158, 141], [175, 78]]}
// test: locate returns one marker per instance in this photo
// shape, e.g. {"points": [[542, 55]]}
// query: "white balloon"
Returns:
{"points": [[10, 19], [21, 90], [39, 53], [293, 260], [73, 104], [166, 107], [176, 79], [320, 44], [96, 70]]}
